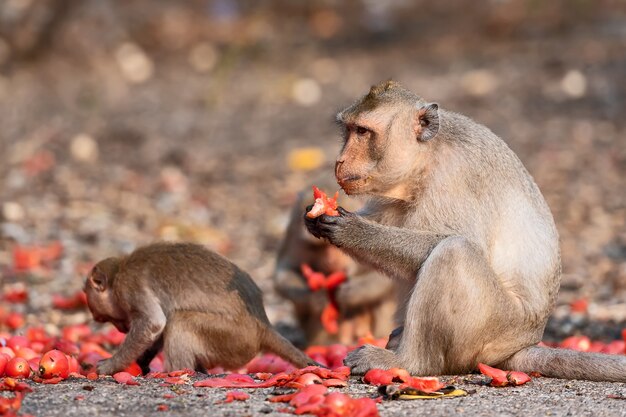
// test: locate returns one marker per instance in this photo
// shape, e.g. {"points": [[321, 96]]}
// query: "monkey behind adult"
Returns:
{"points": [[366, 301], [196, 305], [459, 224]]}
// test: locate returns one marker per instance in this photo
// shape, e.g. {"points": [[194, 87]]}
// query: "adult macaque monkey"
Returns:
{"points": [[456, 220], [366, 300], [196, 305]]}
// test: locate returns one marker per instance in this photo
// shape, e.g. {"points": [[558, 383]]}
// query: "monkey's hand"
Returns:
{"points": [[290, 284], [108, 367], [333, 228]]}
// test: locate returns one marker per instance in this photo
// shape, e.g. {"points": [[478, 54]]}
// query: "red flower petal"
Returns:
{"points": [[125, 378]]}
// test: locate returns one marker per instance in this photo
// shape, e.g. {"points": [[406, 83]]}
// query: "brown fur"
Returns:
{"points": [[366, 300], [198, 306], [459, 224]]}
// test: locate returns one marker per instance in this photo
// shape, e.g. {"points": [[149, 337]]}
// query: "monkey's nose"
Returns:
{"points": [[338, 165]]}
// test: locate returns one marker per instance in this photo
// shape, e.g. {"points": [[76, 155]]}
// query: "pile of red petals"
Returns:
{"points": [[234, 396], [317, 281], [268, 363], [295, 379], [315, 399], [331, 356], [500, 378], [179, 377], [49, 360], [75, 301], [398, 375], [26, 258], [9, 406], [17, 295], [584, 344]]}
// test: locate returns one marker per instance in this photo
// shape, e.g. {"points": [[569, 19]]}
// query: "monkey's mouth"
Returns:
{"points": [[352, 184]]}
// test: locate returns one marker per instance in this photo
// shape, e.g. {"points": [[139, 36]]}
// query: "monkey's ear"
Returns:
{"points": [[426, 125], [97, 280]]}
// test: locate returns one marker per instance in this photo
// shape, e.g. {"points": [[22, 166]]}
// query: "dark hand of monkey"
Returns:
{"points": [[332, 228]]}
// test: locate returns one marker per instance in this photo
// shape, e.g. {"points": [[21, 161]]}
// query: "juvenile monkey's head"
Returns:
{"points": [[100, 298], [386, 140]]}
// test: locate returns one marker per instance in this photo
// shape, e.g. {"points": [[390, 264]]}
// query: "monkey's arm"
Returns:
{"points": [[397, 252], [290, 284], [366, 288], [146, 326], [145, 359]]}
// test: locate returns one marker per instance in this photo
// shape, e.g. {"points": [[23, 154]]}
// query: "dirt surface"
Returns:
{"points": [[123, 125], [541, 397]]}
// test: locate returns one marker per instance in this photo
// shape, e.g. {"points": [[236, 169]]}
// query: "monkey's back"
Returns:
{"points": [[485, 180], [189, 277]]}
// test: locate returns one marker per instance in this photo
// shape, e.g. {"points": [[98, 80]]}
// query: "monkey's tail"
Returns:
{"points": [[569, 364], [272, 341]]}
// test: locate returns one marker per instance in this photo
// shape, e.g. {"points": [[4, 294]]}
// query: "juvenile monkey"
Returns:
{"points": [[459, 224], [196, 305], [366, 301]]}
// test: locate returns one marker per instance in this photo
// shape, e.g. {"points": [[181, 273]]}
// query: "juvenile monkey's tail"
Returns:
{"points": [[569, 364], [273, 342]]}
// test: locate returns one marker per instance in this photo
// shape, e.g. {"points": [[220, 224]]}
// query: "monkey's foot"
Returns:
{"points": [[367, 357]]}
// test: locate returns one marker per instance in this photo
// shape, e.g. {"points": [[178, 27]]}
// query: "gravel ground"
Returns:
{"points": [[541, 397], [165, 124]]}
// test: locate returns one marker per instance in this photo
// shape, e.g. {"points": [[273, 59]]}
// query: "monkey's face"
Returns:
{"points": [[379, 148], [103, 309], [386, 142], [100, 300]]}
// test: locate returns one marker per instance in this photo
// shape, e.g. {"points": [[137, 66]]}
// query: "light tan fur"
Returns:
{"points": [[457, 221]]}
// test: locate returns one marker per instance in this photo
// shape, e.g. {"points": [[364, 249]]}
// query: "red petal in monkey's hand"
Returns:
{"points": [[323, 204]]}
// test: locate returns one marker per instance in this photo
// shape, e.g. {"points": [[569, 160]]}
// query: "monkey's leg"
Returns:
{"points": [[145, 359], [458, 315], [144, 331], [181, 342], [194, 338]]}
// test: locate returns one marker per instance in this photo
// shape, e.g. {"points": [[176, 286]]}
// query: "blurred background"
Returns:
{"points": [[127, 121]]}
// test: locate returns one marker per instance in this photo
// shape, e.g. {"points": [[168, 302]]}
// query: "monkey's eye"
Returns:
{"points": [[360, 130]]}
